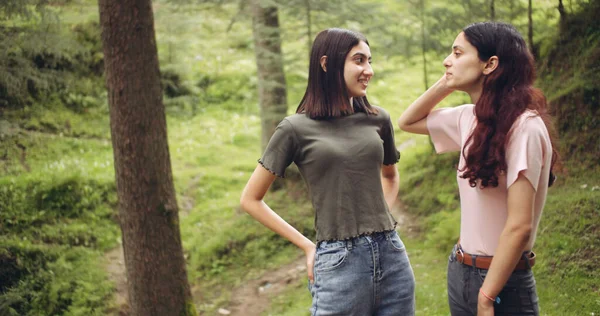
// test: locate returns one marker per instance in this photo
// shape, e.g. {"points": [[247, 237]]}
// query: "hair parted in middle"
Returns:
{"points": [[326, 93], [507, 93]]}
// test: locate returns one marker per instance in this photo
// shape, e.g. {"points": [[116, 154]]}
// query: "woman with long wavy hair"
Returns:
{"points": [[506, 158]]}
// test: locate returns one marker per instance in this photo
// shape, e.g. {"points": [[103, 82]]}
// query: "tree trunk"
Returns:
{"points": [[423, 45], [563, 16], [530, 29], [269, 63], [492, 11], [148, 213], [308, 27]]}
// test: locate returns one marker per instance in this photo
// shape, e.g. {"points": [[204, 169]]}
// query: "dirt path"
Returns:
{"points": [[254, 297], [115, 268]]}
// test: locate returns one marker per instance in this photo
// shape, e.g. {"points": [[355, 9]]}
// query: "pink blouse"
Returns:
{"points": [[484, 211]]}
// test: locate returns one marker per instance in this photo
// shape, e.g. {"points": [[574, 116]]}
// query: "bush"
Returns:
{"points": [[53, 233], [235, 92], [53, 281], [28, 205]]}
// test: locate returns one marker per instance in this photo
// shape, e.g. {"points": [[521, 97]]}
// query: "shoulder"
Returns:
{"points": [[382, 114], [530, 123], [466, 110], [294, 120], [460, 115]]}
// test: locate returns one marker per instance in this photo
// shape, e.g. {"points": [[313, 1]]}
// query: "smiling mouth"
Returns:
{"points": [[365, 83]]}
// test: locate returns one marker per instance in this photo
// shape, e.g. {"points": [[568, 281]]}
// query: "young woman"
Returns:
{"points": [[504, 169], [344, 149]]}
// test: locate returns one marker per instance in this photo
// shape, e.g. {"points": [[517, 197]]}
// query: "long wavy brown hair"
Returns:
{"points": [[507, 92]]}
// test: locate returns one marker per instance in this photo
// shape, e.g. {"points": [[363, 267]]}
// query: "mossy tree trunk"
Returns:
{"points": [[148, 212], [269, 63]]}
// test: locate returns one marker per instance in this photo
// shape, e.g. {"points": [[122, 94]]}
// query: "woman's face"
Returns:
{"points": [[357, 70], [464, 69]]}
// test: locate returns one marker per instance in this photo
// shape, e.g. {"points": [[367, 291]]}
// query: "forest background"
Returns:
{"points": [[59, 233]]}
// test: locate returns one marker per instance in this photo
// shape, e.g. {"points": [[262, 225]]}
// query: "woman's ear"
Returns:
{"points": [[324, 63], [491, 65]]}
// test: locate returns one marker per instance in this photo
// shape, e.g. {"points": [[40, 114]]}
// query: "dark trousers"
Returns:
{"points": [[518, 297]]}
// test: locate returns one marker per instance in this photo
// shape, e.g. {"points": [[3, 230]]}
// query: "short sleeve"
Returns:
{"points": [[281, 150], [444, 128], [525, 151], [391, 155]]}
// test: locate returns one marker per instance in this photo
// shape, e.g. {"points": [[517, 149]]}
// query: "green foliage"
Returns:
{"points": [[53, 280], [429, 185], [570, 75], [172, 84], [442, 229], [57, 159], [54, 229], [39, 57], [241, 243], [56, 210]]}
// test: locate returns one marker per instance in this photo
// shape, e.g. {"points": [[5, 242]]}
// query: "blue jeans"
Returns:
{"points": [[363, 276], [518, 297]]}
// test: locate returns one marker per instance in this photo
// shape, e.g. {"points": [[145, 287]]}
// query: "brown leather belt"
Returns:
{"points": [[484, 262]]}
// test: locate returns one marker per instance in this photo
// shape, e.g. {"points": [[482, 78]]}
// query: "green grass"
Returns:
{"points": [[61, 194]]}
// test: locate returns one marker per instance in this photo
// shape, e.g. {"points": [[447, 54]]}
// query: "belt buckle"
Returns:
{"points": [[462, 255]]}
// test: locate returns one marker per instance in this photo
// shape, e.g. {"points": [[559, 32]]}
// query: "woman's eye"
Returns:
{"points": [[456, 54]]}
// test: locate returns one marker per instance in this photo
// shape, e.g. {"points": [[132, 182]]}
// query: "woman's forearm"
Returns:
{"points": [[413, 119], [510, 248], [266, 216]]}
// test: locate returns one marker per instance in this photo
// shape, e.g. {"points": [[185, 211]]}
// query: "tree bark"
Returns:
{"points": [[530, 29], [563, 16], [148, 212], [308, 27], [423, 45], [269, 63]]}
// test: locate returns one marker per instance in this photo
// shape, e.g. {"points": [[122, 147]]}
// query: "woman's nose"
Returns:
{"points": [[369, 71], [447, 61]]}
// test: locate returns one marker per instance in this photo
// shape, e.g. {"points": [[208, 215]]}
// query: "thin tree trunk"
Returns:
{"points": [[269, 63], [530, 29], [308, 27], [563, 15], [148, 213], [423, 45], [492, 11]]}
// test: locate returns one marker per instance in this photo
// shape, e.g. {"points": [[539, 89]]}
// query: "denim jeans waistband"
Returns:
{"points": [[359, 240]]}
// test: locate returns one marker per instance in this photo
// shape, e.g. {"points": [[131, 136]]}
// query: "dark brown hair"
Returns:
{"points": [[507, 92], [326, 94]]}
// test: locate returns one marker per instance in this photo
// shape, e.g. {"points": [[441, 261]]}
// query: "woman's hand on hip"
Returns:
{"points": [[310, 261]]}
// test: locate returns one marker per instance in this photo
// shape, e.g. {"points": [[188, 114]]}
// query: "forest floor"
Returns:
{"points": [[253, 297]]}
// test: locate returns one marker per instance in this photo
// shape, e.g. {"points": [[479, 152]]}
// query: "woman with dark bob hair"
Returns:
{"points": [[506, 158], [344, 148]]}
